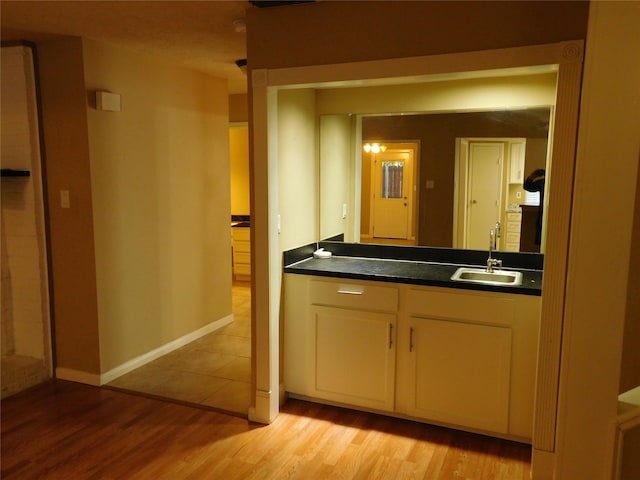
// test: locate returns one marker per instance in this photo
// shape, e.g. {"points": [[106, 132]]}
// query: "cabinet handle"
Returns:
{"points": [[350, 292], [411, 339], [390, 335]]}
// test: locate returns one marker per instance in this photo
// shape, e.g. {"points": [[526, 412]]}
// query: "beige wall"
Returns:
{"points": [[238, 108], [335, 176], [239, 165], [160, 193], [66, 136], [469, 94], [297, 168]]}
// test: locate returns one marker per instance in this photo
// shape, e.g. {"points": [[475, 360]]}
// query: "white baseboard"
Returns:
{"points": [[163, 350], [97, 380], [542, 465], [266, 408]]}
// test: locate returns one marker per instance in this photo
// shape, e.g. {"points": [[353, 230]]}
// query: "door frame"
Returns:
{"points": [[462, 182], [565, 58], [414, 146]]}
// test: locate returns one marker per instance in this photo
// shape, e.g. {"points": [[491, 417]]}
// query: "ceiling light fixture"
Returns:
{"points": [[374, 148]]}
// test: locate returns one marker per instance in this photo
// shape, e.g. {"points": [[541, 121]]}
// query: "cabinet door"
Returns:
{"points": [[516, 162], [354, 357], [456, 373]]}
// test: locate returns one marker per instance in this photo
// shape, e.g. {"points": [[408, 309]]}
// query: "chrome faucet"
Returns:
{"points": [[493, 262]]}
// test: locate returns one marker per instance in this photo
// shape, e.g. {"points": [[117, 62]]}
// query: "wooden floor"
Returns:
{"points": [[64, 430]]}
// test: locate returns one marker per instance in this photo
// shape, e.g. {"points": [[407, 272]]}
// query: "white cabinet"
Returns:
{"points": [[457, 373], [468, 358], [354, 357], [456, 357], [241, 244], [514, 226], [340, 341], [516, 161]]}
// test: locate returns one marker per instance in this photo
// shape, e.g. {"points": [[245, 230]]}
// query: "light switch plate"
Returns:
{"points": [[65, 201]]}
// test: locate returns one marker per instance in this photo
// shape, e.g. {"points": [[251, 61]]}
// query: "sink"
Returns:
{"points": [[480, 275]]}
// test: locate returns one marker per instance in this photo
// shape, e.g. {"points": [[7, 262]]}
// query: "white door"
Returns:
{"points": [[484, 192], [392, 194]]}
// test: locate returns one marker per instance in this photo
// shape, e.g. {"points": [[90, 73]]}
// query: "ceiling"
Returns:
{"points": [[197, 34]]}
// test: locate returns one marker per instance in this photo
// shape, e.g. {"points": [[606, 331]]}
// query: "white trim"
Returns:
{"points": [[163, 350], [542, 464], [563, 57], [264, 412]]}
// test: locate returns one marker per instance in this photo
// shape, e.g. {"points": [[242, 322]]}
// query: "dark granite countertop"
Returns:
{"points": [[415, 272]]}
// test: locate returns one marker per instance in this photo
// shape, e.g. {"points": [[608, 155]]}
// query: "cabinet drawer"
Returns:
{"points": [[242, 269], [498, 309], [514, 216], [241, 258], [242, 233], [244, 247], [513, 237], [512, 247], [354, 295], [513, 227]]}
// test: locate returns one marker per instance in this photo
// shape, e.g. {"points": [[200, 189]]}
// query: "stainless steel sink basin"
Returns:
{"points": [[480, 275]]}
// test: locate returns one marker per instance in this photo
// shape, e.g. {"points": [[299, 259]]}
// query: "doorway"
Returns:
{"points": [[26, 325], [388, 183], [213, 371], [489, 192], [483, 193]]}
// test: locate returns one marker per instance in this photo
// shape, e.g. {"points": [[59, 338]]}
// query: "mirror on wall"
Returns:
{"points": [[449, 177]]}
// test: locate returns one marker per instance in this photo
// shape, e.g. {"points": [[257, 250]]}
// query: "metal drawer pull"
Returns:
{"points": [[350, 292], [390, 335]]}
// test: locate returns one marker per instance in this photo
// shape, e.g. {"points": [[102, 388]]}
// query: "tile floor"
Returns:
{"points": [[214, 370]]}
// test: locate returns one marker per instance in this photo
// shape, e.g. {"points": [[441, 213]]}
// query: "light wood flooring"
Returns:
{"points": [[65, 430], [214, 371]]}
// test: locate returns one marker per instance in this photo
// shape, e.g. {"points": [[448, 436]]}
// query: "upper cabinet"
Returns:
{"points": [[516, 161]]}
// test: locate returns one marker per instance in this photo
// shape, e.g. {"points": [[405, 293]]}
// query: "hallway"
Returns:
{"points": [[214, 371]]}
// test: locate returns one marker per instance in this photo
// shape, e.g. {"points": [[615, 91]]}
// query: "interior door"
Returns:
{"points": [[484, 192], [393, 194]]}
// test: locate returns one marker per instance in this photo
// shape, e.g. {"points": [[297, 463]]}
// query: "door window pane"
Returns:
{"points": [[392, 178]]}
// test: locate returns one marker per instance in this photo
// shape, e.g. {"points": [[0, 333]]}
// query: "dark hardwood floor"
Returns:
{"points": [[65, 430]]}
